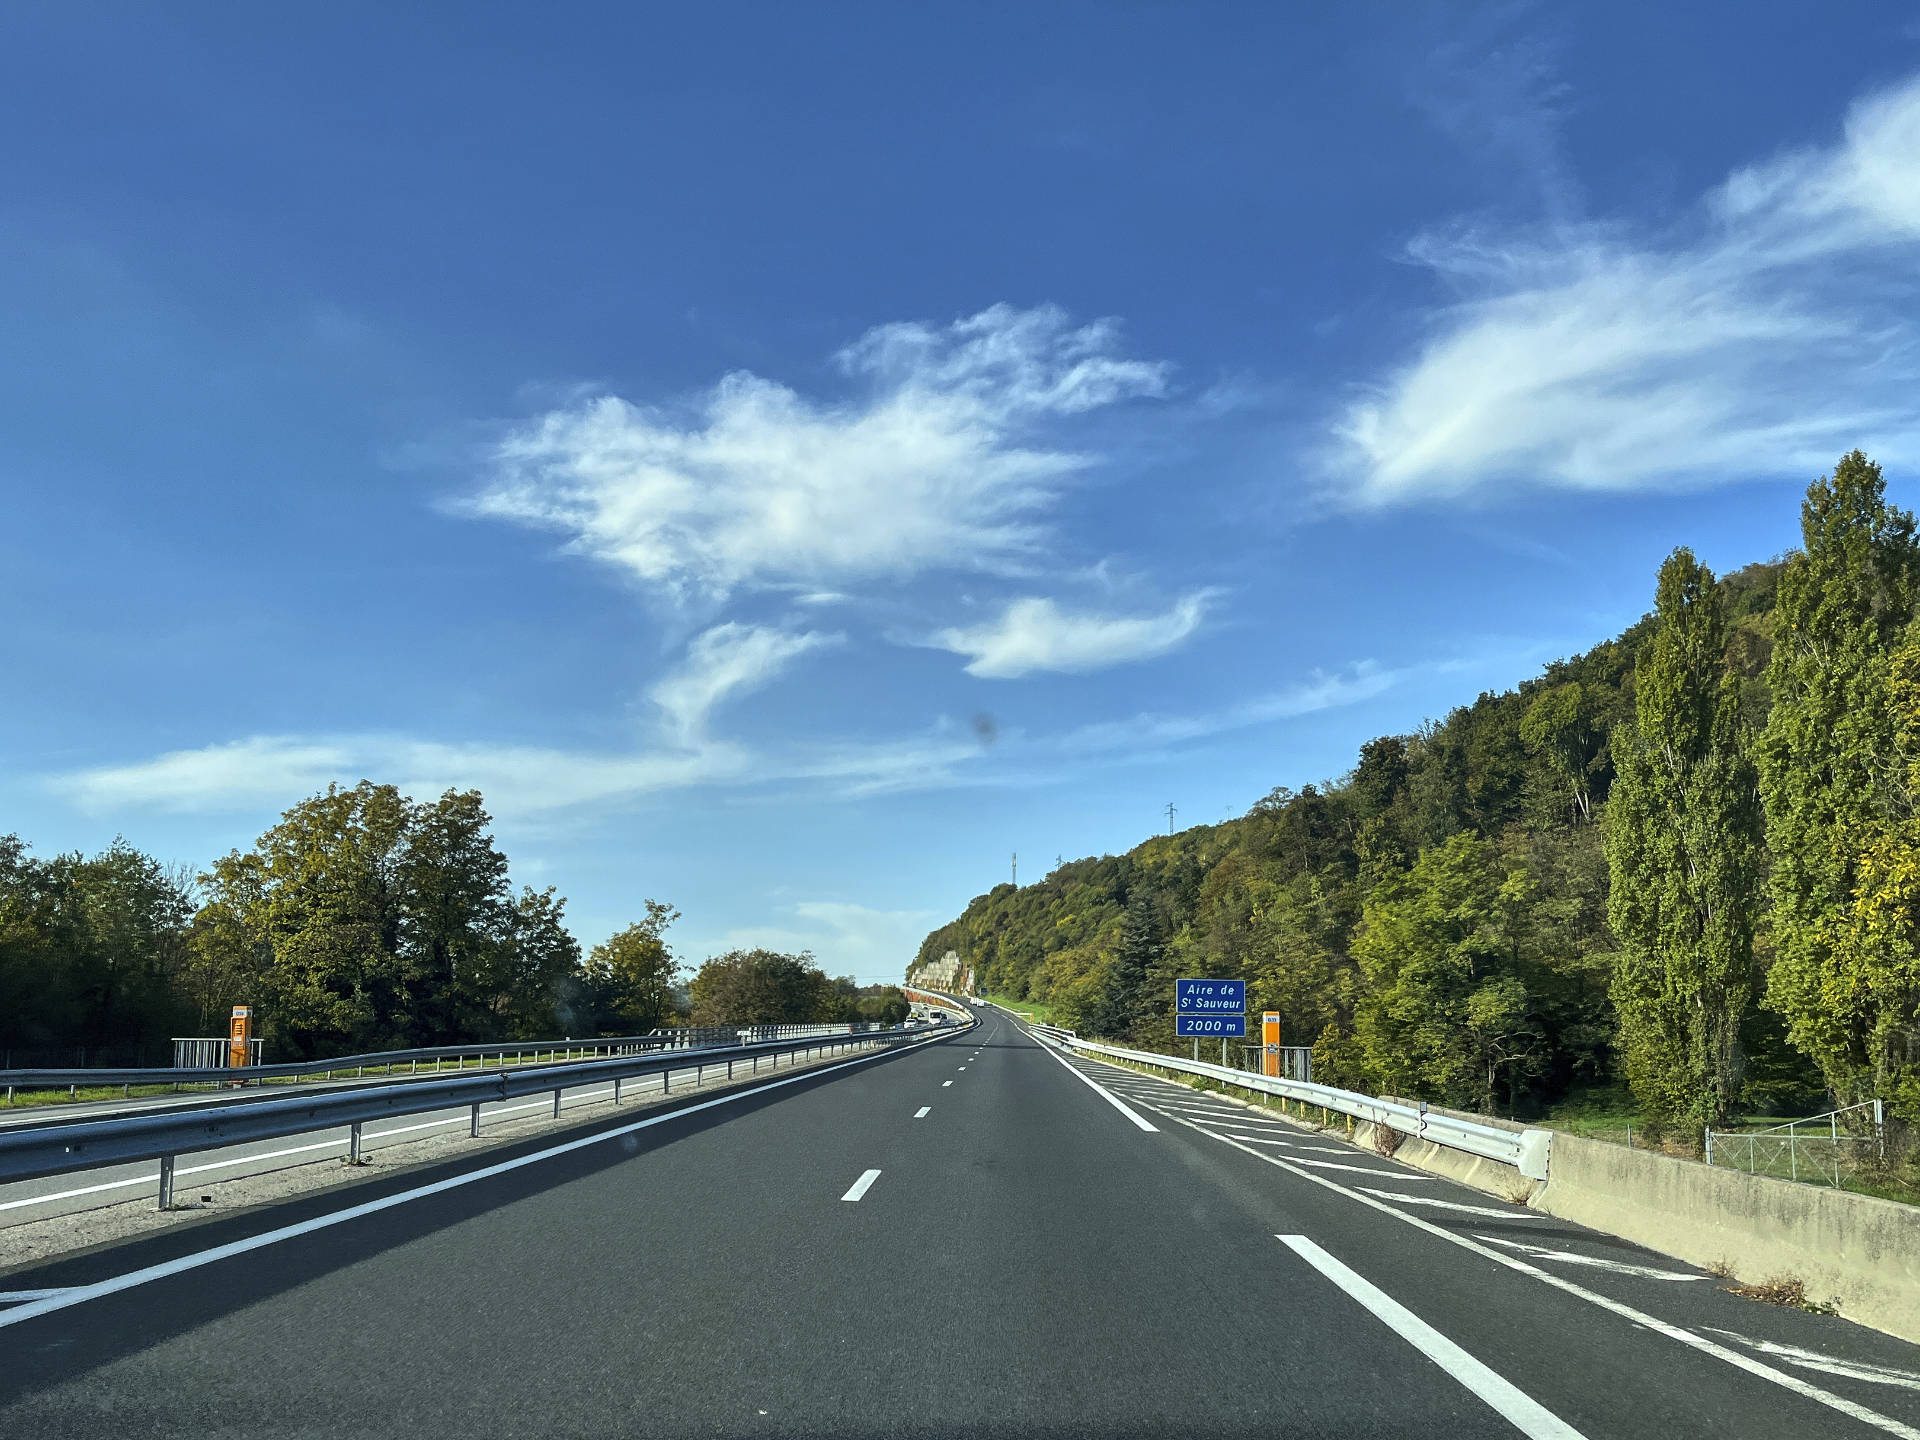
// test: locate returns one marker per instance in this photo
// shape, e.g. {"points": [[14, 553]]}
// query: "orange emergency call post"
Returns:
{"points": [[1270, 1043], [240, 1036]]}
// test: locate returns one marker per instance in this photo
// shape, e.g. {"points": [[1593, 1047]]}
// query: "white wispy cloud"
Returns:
{"points": [[1320, 691], [933, 465], [1034, 634], [273, 771], [1778, 330], [520, 782], [727, 660]]}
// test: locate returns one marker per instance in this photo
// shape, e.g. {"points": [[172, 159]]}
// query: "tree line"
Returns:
{"points": [[1686, 862], [364, 920]]}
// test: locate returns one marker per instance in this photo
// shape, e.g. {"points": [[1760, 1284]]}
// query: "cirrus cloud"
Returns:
{"points": [[1778, 331], [727, 660]]}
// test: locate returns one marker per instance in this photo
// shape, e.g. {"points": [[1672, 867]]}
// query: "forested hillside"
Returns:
{"points": [[1686, 860]]}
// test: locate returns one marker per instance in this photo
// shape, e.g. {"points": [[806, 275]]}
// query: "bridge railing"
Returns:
{"points": [[37, 1150], [1525, 1150]]}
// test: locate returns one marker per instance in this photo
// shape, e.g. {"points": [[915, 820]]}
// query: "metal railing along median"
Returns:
{"points": [[1525, 1150], [35, 1152], [499, 1051]]}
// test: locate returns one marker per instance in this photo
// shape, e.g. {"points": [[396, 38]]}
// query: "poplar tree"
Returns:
{"points": [[1836, 793], [1683, 853]]}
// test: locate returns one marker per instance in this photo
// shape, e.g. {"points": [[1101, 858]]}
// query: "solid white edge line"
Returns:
{"points": [[1626, 1312], [1514, 1405], [862, 1185], [1102, 1091], [80, 1294]]}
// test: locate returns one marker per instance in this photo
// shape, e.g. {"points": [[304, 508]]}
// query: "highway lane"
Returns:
{"points": [[963, 1239]]}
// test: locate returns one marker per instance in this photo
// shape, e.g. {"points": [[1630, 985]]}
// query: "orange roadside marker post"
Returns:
{"points": [[240, 1037], [1270, 1043]]}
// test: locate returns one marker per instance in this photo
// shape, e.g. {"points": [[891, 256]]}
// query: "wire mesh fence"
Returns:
{"points": [[1827, 1149]]}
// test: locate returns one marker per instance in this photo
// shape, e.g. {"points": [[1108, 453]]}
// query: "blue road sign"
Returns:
{"points": [[1209, 1027], [1210, 997]]}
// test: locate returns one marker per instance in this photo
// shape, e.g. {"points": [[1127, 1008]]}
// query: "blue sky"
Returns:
{"points": [[791, 457]]}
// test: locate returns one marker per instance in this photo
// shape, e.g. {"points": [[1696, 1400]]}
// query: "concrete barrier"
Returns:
{"points": [[1492, 1176], [1856, 1252]]}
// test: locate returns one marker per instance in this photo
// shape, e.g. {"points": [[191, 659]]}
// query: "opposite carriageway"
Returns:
{"points": [[58, 1147], [499, 1052]]}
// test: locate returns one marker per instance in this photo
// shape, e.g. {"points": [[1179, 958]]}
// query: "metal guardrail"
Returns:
{"points": [[681, 1038], [59, 1149], [1525, 1150]]}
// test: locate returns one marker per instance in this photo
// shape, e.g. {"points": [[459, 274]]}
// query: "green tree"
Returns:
{"points": [[1872, 975], [1448, 1014], [760, 987], [1562, 725], [455, 920], [1124, 988], [633, 975], [368, 921], [91, 949], [543, 993], [1684, 832], [881, 1005], [1832, 781]]}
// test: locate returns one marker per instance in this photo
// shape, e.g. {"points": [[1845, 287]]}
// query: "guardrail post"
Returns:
{"points": [[616, 1089], [556, 1104], [473, 1122], [353, 1143], [166, 1182]]}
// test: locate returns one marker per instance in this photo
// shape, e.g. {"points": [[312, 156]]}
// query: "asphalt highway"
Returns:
{"points": [[971, 1237]]}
